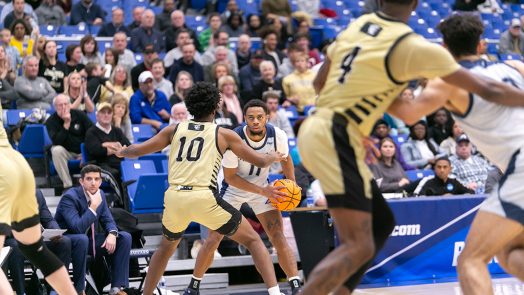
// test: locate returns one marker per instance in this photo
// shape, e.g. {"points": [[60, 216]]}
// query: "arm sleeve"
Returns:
{"points": [[135, 110], [282, 141], [415, 58], [230, 160]]}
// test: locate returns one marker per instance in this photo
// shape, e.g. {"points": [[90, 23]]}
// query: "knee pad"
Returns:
{"points": [[41, 257]]}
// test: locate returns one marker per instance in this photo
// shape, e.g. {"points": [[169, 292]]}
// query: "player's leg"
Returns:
{"points": [[511, 258], [207, 253], [159, 261]]}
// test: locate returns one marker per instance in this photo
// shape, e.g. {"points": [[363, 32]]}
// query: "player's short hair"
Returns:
{"points": [[202, 99], [461, 33], [255, 103]]}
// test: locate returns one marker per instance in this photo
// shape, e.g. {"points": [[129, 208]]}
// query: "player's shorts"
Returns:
{"points": [[507, 197], [258, 203], [18, 205], [332, 150], [181, 207]]}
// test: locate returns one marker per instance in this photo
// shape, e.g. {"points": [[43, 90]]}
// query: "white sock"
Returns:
{"points": [[274, 290], [294, 278]]}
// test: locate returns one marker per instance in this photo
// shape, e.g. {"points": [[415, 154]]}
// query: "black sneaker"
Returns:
{"points": [[189, 291]]}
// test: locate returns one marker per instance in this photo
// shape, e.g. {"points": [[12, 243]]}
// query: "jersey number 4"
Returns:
{"points": [[346, 64], [190, 155]]}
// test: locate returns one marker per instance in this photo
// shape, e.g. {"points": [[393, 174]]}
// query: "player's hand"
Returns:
{"points": [[118, 150], [278, 156], [110, 243], [273, 193]]}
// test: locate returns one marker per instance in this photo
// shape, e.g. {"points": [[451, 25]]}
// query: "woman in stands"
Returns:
{"points": [[73, 57], [184, 81], [121, 118], [420, 151], [449, 145], [7, 92], [234, 26], [228, 88], [76, 90], [218, 70], [51, 68], [21, 40], [121, 81], [90, 51], [110, 60], [254, 23], [38, 50], [388, 172]]}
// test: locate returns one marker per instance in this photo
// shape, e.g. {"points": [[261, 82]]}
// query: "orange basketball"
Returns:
{"points": [[293, 197]]}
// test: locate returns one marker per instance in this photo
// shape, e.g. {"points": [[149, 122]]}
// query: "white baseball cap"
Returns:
{"points": [[144, 76]]}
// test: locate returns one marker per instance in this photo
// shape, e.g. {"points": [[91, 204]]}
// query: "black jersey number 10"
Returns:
{"points": [[199, 141]]}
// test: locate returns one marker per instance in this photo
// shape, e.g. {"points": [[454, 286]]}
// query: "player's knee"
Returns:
{"points": [[277, 238], [364, 249], [41, 257], [213, 240]]}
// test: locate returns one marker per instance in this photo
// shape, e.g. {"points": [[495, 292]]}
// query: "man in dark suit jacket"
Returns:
{"points": [[68, 248], [81, 210]]}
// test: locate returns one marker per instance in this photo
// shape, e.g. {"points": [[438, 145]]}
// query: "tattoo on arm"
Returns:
{"points": [[130, 152]]}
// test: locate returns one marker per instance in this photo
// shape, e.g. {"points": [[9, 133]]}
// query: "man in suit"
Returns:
{"points": [[82, 210], [69, 248]]}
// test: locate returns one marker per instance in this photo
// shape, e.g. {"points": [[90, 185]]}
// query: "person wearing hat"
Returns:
{"points": [[148, 105], [441, 183], [101, 137], [512, 40], [471, 170], [147, 65]]}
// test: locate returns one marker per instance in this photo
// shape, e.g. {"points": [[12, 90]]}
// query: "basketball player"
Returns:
{"points": [[498, 132], [19, 212], [366, 68], [197, 147], [247, 183]]}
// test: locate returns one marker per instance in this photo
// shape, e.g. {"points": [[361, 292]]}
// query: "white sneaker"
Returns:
{"points": [[195, 249]]}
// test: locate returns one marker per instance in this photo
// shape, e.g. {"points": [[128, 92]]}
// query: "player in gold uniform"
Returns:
{"points": [[19, 212], [366, 68], [194, 162]]}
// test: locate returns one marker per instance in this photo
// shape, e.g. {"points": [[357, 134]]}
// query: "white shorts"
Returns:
{"points": [[258, 203], [507, 197]]}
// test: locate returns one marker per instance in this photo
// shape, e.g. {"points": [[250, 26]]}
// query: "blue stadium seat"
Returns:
{"points": [[70, 31], [139, 58], [48, 30], [324, 21], [157, 160], [92, 116], [315, 34], [248, 6], [400, 139], [195, 21], [273, 177], [34, 141], [221, 5], [330, 32], [14, 116], [83, 153], [146, 195], [292, 142], [291, 112], [142, 132], [165, 166], [102, 45], [93, 30], [198, 4]]}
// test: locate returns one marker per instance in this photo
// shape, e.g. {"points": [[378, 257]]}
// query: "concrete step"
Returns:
{"points": [[223, 262], [210, 281]]}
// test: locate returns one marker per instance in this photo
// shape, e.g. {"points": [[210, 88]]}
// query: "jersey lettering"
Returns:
{"points": [[346, 64]]}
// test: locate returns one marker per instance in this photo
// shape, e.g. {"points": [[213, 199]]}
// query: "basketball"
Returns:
{"points": [[293, 197]]}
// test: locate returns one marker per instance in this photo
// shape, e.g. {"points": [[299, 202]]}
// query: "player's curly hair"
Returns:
{"points": [[461, 33], [202, 99]]}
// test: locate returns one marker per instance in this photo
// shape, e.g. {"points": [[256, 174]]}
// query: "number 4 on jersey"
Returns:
{"points": [[346, 64]]}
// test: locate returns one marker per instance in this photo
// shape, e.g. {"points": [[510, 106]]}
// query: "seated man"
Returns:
{"points": [[82, 210], [148, 105], [441, 184], [33, 91], [67, 248], [471, 170], [103, 135]]}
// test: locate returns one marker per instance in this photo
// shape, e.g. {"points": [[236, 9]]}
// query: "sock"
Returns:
{"points": [[195, 283], [294, 282], [274, 290]]}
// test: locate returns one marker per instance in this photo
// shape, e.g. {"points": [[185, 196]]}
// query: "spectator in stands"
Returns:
{"points": [[121, 81], [18, 14], [268, 82], [220, 39], [243, 51], [77, 92], [73, 55], [221, 57], [231, 7], [311, 7], [271, 52], [512, 40], [87, 12], [116, 24], [82, 210], [277, 8], [90, 51], [67, 129], [100, 139], [493, 179], [7, 92], [441, 184], [303, 25], [110, 60], [51, 68], [216, 71], [50, 13], [234, 26], [449, 145], [224, 118], [148, 105], [467, 5], [183, 83], [228, 88], [6, 72], [440, 129], [205, 38], [120, 105], [298, 86], [146, 34], [277, 116], [163, 19], [254, 23], [178, 22], [287, 67], [179, 113], [420, 151], [137, 18], [187, 63], [33, 91], [68, 248], [183, 37], [273, 23], [471, 170], [126, 57], [302, 40], [249, 75], [38, 50], [97, 84], [28, 9], [389, 174], [11, 51], [21, 41], [382, 130], [159, 82], [149, 56]]}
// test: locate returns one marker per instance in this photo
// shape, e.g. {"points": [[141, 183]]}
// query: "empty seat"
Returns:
{"points": [[157, 160], [14, 116], [146, 194], [34, 141], [142, 132]]}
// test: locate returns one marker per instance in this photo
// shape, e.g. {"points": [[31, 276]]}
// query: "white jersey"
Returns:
{"points": [[496, 130], [275, 140]]}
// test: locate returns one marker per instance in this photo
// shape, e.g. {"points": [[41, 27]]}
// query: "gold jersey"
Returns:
{"points": [[371, 63], [3, 135], [195, 159]]}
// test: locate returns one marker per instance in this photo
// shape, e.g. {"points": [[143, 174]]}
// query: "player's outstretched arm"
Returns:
{"points": [[152, 145], [488, 89], [231, 140]]}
